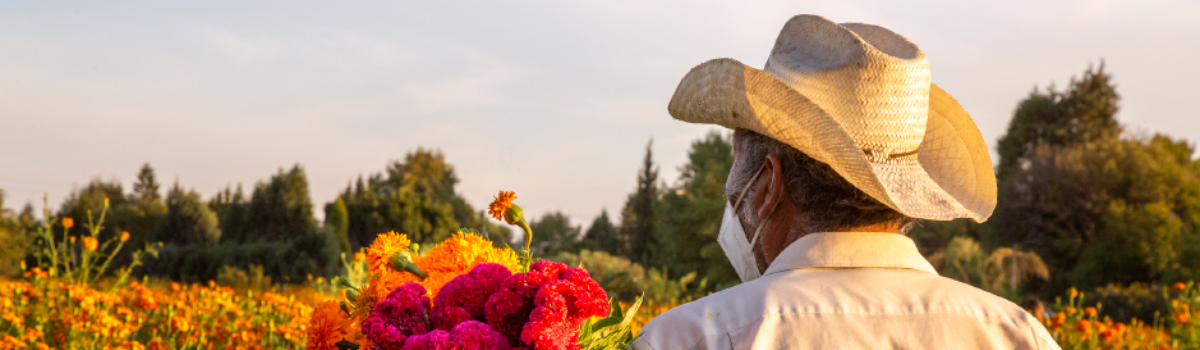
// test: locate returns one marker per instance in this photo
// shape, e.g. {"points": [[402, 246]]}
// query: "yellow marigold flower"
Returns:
{"points": [[68, 222], [502, 202], [124, 236], [327, 326], [90, 243], [459, 254]]}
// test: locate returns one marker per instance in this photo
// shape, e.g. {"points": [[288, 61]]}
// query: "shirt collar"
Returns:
{"points": [[851, 249]]}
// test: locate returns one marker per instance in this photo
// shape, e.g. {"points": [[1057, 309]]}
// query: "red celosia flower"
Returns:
{"points": [[435, 340], [545, 306], [404, 313], [465, 297], [469, 335], [473, 335]]}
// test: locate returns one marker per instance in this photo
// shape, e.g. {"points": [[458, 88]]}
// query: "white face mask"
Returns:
{"points": [[732, 237]]}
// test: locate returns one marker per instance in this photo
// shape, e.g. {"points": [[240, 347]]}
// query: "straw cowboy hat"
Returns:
{"points": [[859, 98]]}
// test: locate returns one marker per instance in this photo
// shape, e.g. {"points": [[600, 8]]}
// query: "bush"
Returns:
{"points": [[237, 278], [314, 253], [1124, 303], [626, 280]]}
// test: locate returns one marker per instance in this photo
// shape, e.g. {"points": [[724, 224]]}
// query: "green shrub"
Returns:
{"points": [[1137, 300], [626, 280]]}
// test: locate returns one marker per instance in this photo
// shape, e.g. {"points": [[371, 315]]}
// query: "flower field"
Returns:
{"points": [[463, 292], [43, 313]]}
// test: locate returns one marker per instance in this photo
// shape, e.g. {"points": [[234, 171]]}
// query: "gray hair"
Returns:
{"points": [[826, 201]]}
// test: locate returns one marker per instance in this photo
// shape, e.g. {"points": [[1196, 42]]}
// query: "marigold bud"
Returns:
{"points": [[402, 261]]}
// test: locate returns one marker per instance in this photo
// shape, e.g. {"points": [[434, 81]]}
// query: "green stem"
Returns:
{"points": [[110, 258], [528, 234]]}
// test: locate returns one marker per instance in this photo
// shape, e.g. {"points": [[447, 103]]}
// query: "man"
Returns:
{"points": [[840, 144]]}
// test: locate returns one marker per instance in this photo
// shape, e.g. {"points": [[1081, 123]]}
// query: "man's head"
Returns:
{"points": [[797, 195], [849, 132]]}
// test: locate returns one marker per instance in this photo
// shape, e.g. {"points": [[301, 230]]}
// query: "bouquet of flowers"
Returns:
{"points": [[464, 293]]}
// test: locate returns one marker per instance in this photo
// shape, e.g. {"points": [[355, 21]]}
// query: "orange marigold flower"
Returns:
{"points": [[175, 286], [90, 243], [327, 326], [381, 251], [360, 256], [364, 304], [459, 254], [124, 236], [1084, 326], [1069, 310], [502, 202], [383, 277], [1072, 292], [72, 239], [1090, 311], [1180, 286], [68, 222], [1181, 318]]}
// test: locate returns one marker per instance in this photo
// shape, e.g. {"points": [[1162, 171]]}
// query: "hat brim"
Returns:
{"points": [[953, 177]]}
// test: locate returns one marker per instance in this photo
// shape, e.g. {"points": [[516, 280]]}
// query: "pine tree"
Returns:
{"points": [[146, 187], [337, 221], [281, 208], [232, 209], [602, 235], [188, 221], [637, 221], [554, 234]]}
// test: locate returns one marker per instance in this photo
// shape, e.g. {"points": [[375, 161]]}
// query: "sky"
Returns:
{"points": [[556, 100]]}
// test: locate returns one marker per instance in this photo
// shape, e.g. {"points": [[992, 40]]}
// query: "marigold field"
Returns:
{"points": [[40, 312], [69, 305]]}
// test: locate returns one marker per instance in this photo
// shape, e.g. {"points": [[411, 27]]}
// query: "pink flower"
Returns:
{"points": [[465, 297], [545, 306], [469, 335], [402, 314], [435, 340], [475, 335]]}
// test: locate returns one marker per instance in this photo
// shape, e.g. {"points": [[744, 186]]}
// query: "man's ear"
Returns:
{"points": [[773, 191]]}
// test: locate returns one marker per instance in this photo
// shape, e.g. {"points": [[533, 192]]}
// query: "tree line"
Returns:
{"points": [[1082, 202]]}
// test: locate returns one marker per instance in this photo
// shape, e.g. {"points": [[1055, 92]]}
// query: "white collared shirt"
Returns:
{"points": [[848, 290]]}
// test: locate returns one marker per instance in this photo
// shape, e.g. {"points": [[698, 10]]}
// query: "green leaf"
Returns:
{"points": [[612, 332]]}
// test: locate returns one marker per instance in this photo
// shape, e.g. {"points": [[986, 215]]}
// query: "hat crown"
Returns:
{"points": [[872, 81]]}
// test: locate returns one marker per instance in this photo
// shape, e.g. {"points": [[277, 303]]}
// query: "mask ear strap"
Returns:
{"points": [[746, 188], [761, 224]]}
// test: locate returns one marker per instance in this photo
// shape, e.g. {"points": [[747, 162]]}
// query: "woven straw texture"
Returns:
{"points": [[859, 98]]}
